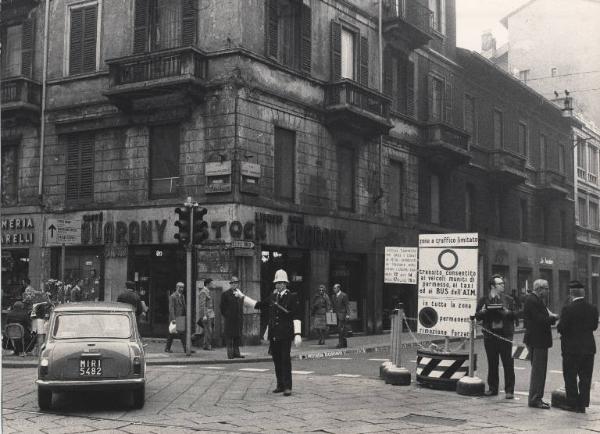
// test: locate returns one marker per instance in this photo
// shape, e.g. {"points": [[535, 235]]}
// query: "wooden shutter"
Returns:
{"points": [[388, 74], [364, 61], [27, 42], [448, 102], [80, 167], [140, 26], [271, 28], [306, 43], [189, 23], [90, 26], [336, 51], [76, 42], [430, 98], [410, 88]]}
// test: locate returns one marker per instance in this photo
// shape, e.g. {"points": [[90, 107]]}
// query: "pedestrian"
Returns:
{"points": [[28, 294], [129, 296], [77, 292], [19, 315], [320, 306], [340, 306], [496, 311], [578, 320], [538, 338], [232, 310], [177, 314], [206, 312], [284, 327]]}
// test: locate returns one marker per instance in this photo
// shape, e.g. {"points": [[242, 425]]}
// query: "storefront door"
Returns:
{"points": [[348, 271], [15, 268]]}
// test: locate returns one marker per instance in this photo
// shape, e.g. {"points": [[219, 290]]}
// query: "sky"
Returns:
{"points": [[473, 17]]}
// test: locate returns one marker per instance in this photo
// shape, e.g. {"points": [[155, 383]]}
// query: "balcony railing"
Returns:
{"points": [[581, 173], [409, 20], [20, 91], [508, 167], [446, 145], [593, 178], [552, 183]]}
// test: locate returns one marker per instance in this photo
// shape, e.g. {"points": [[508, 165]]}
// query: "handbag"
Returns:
{"points": [[520, 352], [180, 323], [331, 318], [173, 328]]}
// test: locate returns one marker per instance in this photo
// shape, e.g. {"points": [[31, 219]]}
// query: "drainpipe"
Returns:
{"points": [[380, 35], [43, 110]]}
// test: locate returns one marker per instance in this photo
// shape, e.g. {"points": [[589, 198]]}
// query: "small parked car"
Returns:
{"points": [[92, 346]]}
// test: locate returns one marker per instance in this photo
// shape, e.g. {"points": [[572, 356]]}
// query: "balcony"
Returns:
{"points": [[507, 168], [445, 145], [350, 106], [149, 75], [587, 236], [406, 24], [551, 184], [21, 98]]}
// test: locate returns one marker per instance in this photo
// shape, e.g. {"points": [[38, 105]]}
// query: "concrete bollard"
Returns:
{"points": [[471, 385], [393, 372]]}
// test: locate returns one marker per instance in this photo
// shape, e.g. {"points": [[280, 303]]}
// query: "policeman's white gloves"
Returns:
{"points": [[297, 332]]}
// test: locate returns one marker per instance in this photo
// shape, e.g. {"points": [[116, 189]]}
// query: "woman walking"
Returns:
{"points": [[320, 306]]}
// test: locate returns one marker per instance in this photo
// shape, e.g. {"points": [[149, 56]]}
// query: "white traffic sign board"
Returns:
{"points": [[400, 265], [447, 283], [63, 231]]}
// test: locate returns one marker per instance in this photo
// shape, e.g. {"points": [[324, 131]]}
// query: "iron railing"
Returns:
{"points": [[443, 133], [21, 89], [350, 93], [410, 11]]}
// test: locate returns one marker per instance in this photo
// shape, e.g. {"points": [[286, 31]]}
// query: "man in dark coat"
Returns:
{"points": [[232, 309], [284, 327], [496, 310], [578, 320], [342, 310], [131, 297], [18, 315], [538, 338], [177, 311]]}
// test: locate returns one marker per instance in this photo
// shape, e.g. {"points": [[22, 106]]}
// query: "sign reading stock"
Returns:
{"points": [[447, 283]]}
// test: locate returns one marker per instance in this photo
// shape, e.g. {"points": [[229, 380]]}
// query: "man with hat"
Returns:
{"points": [[232, 309], [131, 297], [284, 327], [578, 320]]}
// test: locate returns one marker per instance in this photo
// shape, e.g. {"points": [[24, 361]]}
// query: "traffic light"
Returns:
{"points": [[200, 226], [183, 223]]}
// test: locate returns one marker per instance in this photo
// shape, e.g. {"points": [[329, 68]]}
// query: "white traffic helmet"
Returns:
{"points": [[280, 276]]}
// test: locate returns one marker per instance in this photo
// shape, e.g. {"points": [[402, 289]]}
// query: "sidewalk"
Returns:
{"points": [[309, 349]]}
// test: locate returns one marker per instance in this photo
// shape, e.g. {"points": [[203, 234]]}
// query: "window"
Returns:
{"points": [[439, 18], [11, 51], [592, 163], [498, 129], [469, 117], [288, 33], [435, 199], [80, 167], [346, 169], [284, 162], [524, 221], [523, 139], [583, 212], [554, 72], [436, 99], [470, 224], [561, 158], [543, 152], [162, 24], [82, 39], [94, 325], [524, 75], [397, 188], [593, 215], [164, 160], [347, 54], [398, 83], [581, 149], [10, 174]]}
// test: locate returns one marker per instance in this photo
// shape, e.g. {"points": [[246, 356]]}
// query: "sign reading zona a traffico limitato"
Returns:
{"points": [[447, 283]]}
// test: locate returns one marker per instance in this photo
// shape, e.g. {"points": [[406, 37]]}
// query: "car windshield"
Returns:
{"points": [[91, 325]]}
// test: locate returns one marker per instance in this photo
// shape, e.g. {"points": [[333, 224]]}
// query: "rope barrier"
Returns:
{"points": [[497, 336]]}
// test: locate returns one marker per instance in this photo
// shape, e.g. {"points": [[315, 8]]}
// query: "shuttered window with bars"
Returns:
{"points": [[17, 49], [288, 33], [83, 35], [80, 167], [398, 82]]}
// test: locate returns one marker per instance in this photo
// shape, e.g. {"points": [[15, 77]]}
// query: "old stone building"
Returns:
{"points": [[276, 117]]}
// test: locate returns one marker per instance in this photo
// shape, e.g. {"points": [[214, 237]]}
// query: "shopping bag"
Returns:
{"points": [[173, 328], [520, 352], [199, 330], [180, 322], [331, 318]]}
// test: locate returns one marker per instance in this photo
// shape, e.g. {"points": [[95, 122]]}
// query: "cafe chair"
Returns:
{"points": [[16, 332]]}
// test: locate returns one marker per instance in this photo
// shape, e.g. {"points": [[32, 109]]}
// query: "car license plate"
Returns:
{"points": [[90, 368]]}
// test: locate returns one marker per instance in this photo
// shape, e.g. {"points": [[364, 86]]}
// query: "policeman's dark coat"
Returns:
{"points": [[281, 323], [232, 309]]}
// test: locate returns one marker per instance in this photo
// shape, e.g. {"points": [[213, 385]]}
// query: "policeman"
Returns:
{"points": [[284, 327]]}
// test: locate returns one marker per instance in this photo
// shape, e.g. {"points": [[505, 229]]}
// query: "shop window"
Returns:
{"points": [[163, 24], [284, 161], [80, 167], [15, 268], [524, 221], [10, 175], [498, 129], [346, 168], [524, 282], [397, 187], [164, 161], [83, 36]]}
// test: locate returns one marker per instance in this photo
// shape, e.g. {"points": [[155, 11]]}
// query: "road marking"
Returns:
{"points": [[347, 375], [303, 372], [519, 368], [341, 358], [212, 367], [413, 361], [174, 366], [379, 360], [253, 369], [556, 372], [522, 393]]}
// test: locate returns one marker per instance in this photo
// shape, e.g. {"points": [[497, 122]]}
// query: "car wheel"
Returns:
{"points": [[44, 399], [139, 395]]}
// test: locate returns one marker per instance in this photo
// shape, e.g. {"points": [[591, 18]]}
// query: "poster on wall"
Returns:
{"points": [[400, 265], [447, 283]]}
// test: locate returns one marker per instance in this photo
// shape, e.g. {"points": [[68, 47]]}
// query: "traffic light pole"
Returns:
{"points": [[188, 298]]}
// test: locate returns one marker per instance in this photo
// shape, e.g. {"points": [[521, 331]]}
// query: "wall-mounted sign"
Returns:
{"points": [[546, 261], [250, 177], [63, 231], [17, 231], [400, 265], [94, 230], [218, 177]]}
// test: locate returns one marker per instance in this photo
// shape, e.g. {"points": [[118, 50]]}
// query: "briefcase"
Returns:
{"points": [[520, 352], [331, 318]]}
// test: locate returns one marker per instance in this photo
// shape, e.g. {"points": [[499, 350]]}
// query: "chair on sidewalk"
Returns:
{"points": [[16, 332]]}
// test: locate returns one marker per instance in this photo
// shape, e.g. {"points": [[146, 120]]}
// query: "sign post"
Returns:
{"points": [[62, 232]]}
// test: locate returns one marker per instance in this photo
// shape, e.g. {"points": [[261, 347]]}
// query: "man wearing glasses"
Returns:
{"points": [[232, 309], [496, 311], [538, 338]]}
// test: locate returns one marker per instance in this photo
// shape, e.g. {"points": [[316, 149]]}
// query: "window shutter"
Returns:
{"points": [[140, 27], [410, 88], [80, 167], [76, 42], [388, 74], [336, 51], [189, 23], [90, 24], [364, 61], [448, 102], [306, 47], [27, 41], [430, 97], [271, 28]]}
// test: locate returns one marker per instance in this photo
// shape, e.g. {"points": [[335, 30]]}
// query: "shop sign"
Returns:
{"points": [[447, 283], [17, 231], [63, 231], [546, 261], [218, 177], [315, 237], [400, 265], [94, 231]]}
